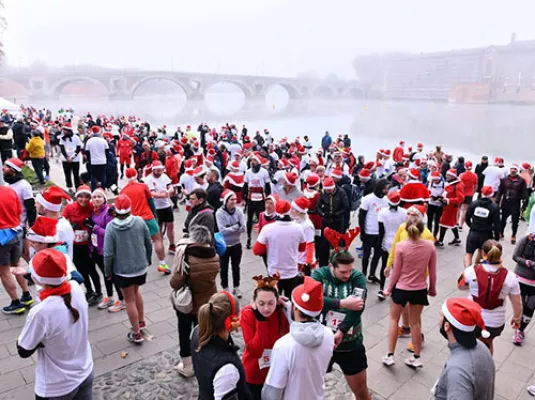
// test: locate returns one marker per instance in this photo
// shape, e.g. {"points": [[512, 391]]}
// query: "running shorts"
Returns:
{"points": [[124, 282], [11, 252], [165, 215], [153, 226], [350, 362], [468, 199], [475, 241], [494, 332], [414, 297]]}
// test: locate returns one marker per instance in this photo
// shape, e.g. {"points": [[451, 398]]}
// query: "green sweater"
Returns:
{"points": [[335, 290]]}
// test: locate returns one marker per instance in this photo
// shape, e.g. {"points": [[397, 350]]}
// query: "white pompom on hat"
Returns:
{"points": [[465, 315], [308, 297]]}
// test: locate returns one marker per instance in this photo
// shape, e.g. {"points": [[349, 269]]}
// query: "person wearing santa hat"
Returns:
{"points": [[397, 155], [187, 181], [57, 329], [257, 186], [231, 224], [199, 175], [70, 146], [235, 180], [290, 187], [337, 162], [511, 192], [127, 257], [469, 180], [489, 284], [452, 199], [299, 213], [469, 372], [282, 241], [143, 205], [332, 206], [308, 343], [78, 214], [483, 219], [414, 191], [494, 174], [312, 194], [435, 206], [161, 188], [97, 153], [125, 148], [367, 182]]}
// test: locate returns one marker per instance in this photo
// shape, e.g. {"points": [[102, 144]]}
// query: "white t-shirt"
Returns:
{"points": [[70, 147], [282, 239], [97, 147], [200, 185], [493, 176], [66, 234], [65, 361], [278, 177], [256, 180], [493, 318], [310, 232], [225, 380], [233, 148], [25, 192], [188, 182], [160, 184], [298, 369], [372, 204], [391, 220]]}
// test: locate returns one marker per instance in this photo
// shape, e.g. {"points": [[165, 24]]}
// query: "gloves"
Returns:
{"points": [[89, 223]]}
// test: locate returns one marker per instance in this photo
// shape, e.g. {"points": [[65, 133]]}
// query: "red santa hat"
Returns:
{"points": [[301, 204], [370, 165], [414, 173], [100, 191], [188, 164], [435, 175], [282, 208], [291, 178], [234, 165], [365, 174], [526, 166], [256, 156], [418, 210], [236, 179], [15, 164], [225, 195], [420, 146], [394, 198], [295, 162], [308, 297], [452, 172], [184, 140], [402, 143], [273, 197], [44, 230], [209, 161], [283, 163], [131, 174], [465, 315], [313, 160], [157, 164], [336, 173], [52, 197], [468, 165], [487, 191], [199, 171], [313, 180], [514, 166], [123, 204], [49, 267], [498, 161], [328, 184]]}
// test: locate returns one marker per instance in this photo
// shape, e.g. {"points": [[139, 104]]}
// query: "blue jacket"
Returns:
{"points": [[326, 142]]}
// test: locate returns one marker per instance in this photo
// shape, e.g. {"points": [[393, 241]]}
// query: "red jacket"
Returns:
{"points": [[454, 195], [469, 180], [11, 209], [76, 216], [259, 336]]}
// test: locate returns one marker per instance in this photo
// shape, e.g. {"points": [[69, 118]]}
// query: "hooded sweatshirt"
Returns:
{"points": [[230, 224], [299, 363], [127, 247]]}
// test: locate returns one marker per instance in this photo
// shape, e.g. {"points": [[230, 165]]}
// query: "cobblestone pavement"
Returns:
{"points": [[146, 373]]}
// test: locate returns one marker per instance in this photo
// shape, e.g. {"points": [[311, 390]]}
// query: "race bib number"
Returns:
{"points": [[94, 240], [265, 360], [80, 236], [257, 197], [481, 212], [334, 318]]}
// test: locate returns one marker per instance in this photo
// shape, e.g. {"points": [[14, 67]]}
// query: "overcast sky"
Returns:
{"points": [[267, 37]]}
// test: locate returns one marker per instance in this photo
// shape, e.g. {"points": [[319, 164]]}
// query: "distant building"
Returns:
{"points": [[480, 75]]}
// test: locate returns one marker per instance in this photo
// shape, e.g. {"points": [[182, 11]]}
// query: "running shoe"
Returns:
{"points": [[106, 302], [164, 268], [237, 292], [373, 279], [404, 331], [531, 390], [27, 300], [95, 299], [142, 324], [518, 338], [119, 305], [513, 239], [135, 337], [410, 346], [248, 245], [439, 244], [381, 295], [388, 360], [414, 362], [172, 249], [454, 242], [16, 307]]}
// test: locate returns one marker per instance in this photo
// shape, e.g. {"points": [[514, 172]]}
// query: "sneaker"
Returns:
{"points": [[117, 306], [172, 249], [248, 244], [518, 338], [439, 244], [404, 331], [388, 360], [370, 279], [27, 300], [237, 292], [142, 324], [164, 268], [513, 239], [381, 295], [410, 346], [135, 337], [531, 390], [185, 367], [454, 242], [94, 299], [106, 302], [16, 307], [414, 362]]}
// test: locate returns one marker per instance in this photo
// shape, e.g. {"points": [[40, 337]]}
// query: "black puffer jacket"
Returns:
{"points": [[332, 207], [525, 254], [6, 139]]}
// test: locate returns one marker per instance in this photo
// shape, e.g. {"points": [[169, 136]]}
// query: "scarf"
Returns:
{"points": [[60, 290]]}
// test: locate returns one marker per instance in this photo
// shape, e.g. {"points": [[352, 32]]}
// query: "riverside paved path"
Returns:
{"points": [[146, 373]]}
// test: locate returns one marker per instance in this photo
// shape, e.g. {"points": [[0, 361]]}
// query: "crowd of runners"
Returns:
{"points": [[292, 203]]}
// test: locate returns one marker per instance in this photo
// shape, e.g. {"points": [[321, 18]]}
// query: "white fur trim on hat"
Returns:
{"points": [[451, 319], [83, 191], [306, 312], [48, 205], [299, 209], [46, 281], [33, 237], [13, 166]]}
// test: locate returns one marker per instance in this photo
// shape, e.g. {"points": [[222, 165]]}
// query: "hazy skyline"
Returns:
{"points": [[263, 37]]}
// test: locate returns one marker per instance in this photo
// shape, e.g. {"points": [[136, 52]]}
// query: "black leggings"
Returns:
{"points": [[71, 170], [253, 207], [99, 260], [287, 285], [433, 218], [510, 208], [370, 242], [528, 304], [186, 322], [86, 266], [232, 255], [443, 233], [384, 261], [255, 391]]}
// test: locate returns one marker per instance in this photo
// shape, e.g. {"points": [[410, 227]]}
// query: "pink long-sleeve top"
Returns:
{"points": [[411, 262]]}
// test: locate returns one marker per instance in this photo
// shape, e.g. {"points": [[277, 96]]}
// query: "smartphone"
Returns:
{"points": [[360, 293]]}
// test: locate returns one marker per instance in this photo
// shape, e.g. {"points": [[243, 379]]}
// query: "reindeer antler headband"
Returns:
{"points": [[340, 242], [268, 281]]}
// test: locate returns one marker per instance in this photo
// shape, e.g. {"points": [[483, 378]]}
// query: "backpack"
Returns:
{"points": [[353, 195], [489, 286]]}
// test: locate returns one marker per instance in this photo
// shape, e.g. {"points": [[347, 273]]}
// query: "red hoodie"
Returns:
{"points": [[76, 216], [259, 336]]}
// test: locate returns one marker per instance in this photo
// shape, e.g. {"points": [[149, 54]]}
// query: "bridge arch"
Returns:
{"points": [[293, 91], [226, 96], [59, 86], [245, 88], [175, 81], [13, 90], [324, 91]]}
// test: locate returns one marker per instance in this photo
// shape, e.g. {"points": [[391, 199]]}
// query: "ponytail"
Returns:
{"points": [[212, 316], [415, 230], [67, 300], [493, 252]]}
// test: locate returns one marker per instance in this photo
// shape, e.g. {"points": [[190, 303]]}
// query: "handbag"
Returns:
{"points": [[220, 244], [182, 298]]}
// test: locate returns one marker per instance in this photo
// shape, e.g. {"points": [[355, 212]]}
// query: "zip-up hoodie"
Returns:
{"points": [[127, 247], [231, 225]]}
